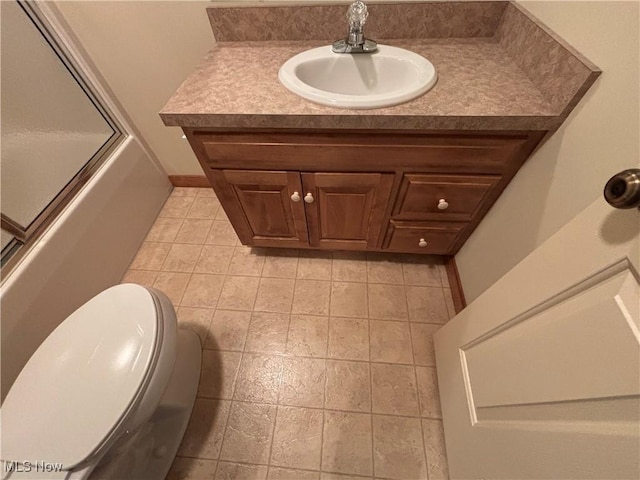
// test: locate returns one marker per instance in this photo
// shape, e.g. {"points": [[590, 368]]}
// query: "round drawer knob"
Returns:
{"points": [[422, 243], [295, 197], [308, 198], [442, 204]]}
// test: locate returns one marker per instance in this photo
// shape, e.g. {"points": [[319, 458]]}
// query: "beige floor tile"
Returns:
{"points": [[279, 473], [347, 443], [393, 388], [275, 295], [203, 437], [181, 258], [384, 268], [173, 285], [310, 285], [297, 438], [348, 299], [194, 231], [303, 382], [348, 386], [239, 293], [247, 261], [146, 278], [428, 394], [249, 433], [398, 451], [176, 207], [185, 468], [435, 449], [219, 373], [422, 270], [314, 265], [281, 264], [164, 230], [228, 330], [223, 234], [196, 319], [240, 471], [308, 336], [311, 297], [348, 338], [204, 208], [150, 256], [214, 259], [390, 342], [387, 302], [422, 341], [427, 304], [349, 267], [267, 333], [259, 378], [203, 291]]}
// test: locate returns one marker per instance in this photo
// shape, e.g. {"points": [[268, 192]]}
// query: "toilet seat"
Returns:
{"points": [[80, 385]]}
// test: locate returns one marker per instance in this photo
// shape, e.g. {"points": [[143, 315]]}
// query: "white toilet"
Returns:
{"points": [[107, 395]]}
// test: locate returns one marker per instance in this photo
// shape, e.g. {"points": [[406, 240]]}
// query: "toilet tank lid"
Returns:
{"points": [[78, 385]]}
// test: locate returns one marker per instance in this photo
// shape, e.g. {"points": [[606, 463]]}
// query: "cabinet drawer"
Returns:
{"points": [[436, 238], [358, 152], [443, 197]]}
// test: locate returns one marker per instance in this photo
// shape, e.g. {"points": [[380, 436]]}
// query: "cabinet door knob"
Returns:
{"points": [[422, 243], [308, 198], [443, 204], [295, 197]]}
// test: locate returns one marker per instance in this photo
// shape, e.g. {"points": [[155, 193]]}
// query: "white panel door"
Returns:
{"points": [[540, 376]]}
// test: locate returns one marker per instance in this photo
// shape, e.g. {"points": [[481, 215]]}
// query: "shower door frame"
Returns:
{"points": [[24, 237]]}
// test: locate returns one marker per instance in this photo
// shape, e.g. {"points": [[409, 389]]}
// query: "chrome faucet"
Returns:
{"points": [[355, 41]]}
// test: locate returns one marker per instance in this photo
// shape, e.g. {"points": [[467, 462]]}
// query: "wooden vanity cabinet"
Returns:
{"points": [[342, 211], [414, 192]]}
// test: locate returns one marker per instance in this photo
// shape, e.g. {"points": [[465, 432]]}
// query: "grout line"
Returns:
{"points": [[286, 341], [324, 401], [273, 437], [424, 448], [413, 355], [317, 408], [373, 452], [287, 355], [224, 432]]}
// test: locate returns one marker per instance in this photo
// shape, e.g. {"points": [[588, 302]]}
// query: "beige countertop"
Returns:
{"points": [[482, 85]]}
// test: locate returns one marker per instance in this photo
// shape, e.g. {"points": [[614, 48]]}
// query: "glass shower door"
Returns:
{"points": [[54, 130]]}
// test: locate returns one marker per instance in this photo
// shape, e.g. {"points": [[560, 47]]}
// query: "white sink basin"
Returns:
{"points": [[366, 80]]}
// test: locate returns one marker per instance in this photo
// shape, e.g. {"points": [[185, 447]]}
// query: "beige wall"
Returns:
{"points": [[144, 50], [601, 137]]}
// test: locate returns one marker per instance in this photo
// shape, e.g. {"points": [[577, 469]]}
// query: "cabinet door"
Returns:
{"points": [[345, 210], [263, 206]]}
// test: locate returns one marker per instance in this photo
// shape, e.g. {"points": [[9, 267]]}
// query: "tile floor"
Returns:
{"points": [[316, 365]]}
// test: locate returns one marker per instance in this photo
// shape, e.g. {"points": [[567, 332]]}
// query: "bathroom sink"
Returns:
{"points": [[368, 80]]}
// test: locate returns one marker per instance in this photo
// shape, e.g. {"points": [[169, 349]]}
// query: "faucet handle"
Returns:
{"points": [[357, 13]]}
